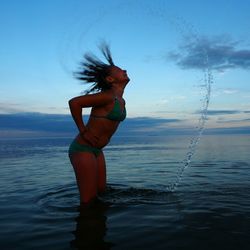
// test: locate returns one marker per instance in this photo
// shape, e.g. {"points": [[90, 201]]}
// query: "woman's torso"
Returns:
{"points": [[100, 126]]}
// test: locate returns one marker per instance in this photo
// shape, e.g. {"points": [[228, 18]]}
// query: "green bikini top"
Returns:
{"points": [[116, 114]]}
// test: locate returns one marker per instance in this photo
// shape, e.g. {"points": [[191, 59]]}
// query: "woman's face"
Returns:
{"points": [[119, 75]]}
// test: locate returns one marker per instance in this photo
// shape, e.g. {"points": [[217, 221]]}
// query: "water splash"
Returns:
{"points": [[189, 34], [208, 80], [200, 128]]}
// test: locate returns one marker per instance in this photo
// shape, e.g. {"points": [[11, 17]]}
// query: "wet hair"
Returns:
{"points": [[93, 70]]}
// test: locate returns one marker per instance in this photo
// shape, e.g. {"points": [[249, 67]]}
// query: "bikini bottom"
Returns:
{"points": [[76, 147]]}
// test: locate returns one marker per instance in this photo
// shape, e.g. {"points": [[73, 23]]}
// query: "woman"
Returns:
{"points": [[108, 110]]}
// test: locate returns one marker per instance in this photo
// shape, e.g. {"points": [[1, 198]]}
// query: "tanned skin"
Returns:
{"points": [[90, 170]]}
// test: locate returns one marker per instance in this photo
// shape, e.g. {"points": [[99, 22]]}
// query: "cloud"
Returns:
{"points": [[221, 112], [38, 124], [230, 91], [140, 125], [173, 98], [226, 91], [55, 124], [224, 116], [233, 121], [6, 108], [222, 54], [233, 130], [225, 112], [149, 122]]}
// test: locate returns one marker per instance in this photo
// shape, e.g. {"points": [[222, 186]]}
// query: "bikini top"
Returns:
{"points": [[116, 114]]}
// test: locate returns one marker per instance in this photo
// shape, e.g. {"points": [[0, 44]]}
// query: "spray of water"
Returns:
{"points": [[208, 80], [188, 32]]}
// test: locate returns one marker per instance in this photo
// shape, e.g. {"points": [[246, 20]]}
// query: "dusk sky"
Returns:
{"points": [[159, 43]]}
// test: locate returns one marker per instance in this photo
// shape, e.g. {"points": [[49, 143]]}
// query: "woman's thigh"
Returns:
{"points": [[101, 172], [85, 166]]}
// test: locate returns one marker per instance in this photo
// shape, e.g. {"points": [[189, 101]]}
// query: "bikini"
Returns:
{"points": [[77, 147], [116, 114]]}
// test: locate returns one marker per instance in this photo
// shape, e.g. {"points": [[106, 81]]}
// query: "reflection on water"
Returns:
{"points": [[91, 227]]}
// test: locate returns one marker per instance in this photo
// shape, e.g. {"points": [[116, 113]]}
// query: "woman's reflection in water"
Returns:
{"points": [[91, 227]]}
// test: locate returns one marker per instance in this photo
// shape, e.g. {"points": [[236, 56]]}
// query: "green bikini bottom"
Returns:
{"points": [[76, 147]]}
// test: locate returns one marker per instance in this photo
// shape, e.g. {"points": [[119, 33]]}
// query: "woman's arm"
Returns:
{"points": [[76, 104]]}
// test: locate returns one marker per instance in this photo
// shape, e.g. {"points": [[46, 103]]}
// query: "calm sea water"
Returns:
{"points": [[209, 210]]}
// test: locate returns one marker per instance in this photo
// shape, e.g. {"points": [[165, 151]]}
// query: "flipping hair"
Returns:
{"points": [[93, 70]]}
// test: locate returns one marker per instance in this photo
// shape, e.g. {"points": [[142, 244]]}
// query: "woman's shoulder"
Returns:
{"points": [[105, 96], [91, 100]]}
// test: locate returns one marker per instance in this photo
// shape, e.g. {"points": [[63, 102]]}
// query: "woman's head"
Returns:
{"points": [[101, 74], [117, 75]]}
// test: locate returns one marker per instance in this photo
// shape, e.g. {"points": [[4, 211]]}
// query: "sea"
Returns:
{"points": [[209, 208]]}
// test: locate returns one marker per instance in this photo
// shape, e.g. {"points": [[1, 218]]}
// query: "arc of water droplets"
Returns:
{"points": [[201, 126], [208, 80], [185, 29]]}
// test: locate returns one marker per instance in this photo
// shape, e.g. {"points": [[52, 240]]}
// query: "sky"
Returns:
{"points": [[166, 46]]}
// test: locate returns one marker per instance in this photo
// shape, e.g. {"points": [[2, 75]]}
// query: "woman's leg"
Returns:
{"points": [[101, 173], [85, 166]]}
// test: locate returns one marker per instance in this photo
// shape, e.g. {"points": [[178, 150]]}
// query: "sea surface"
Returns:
{"points": [[210, 209]]}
